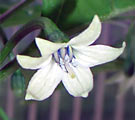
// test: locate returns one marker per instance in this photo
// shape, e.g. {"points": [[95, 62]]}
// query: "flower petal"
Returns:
{"points": [[81, 84], [97, 54], [44, 82], [89, 35], [46, 47], [33, 62]]}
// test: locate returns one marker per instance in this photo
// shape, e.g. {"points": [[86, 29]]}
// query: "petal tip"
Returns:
{"points": [[37, 40], [19, 58], [124, 44], [96, 18], [85, 95], [28, 97], [123, 47]]}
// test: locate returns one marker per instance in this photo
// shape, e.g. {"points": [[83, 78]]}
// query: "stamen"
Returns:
{"points": [[56, 57], [70, 70], [70, 52], [63, 53], [58, 52], [64, 57]]}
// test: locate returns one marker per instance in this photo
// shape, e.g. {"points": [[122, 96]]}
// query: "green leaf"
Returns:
{"points": [[71, 13]]}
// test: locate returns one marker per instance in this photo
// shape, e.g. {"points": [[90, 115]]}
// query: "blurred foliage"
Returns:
{"points": [[130, 55], [3, 115], [22, 16], [18, 83], [70, 13]]}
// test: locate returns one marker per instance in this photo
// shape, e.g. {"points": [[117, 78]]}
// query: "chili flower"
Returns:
{"points": [[67, 62]]}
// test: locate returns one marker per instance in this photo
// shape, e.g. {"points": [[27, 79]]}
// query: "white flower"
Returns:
{"points": [[67, 62]]}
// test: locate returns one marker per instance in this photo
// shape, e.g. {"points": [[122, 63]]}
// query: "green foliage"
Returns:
{"points": [[3, 115], [18, 83], [71, 13], [130, 54], [23, 16]]}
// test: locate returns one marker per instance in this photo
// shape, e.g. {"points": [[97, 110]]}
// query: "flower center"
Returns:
{"points": [[64, 57]]}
